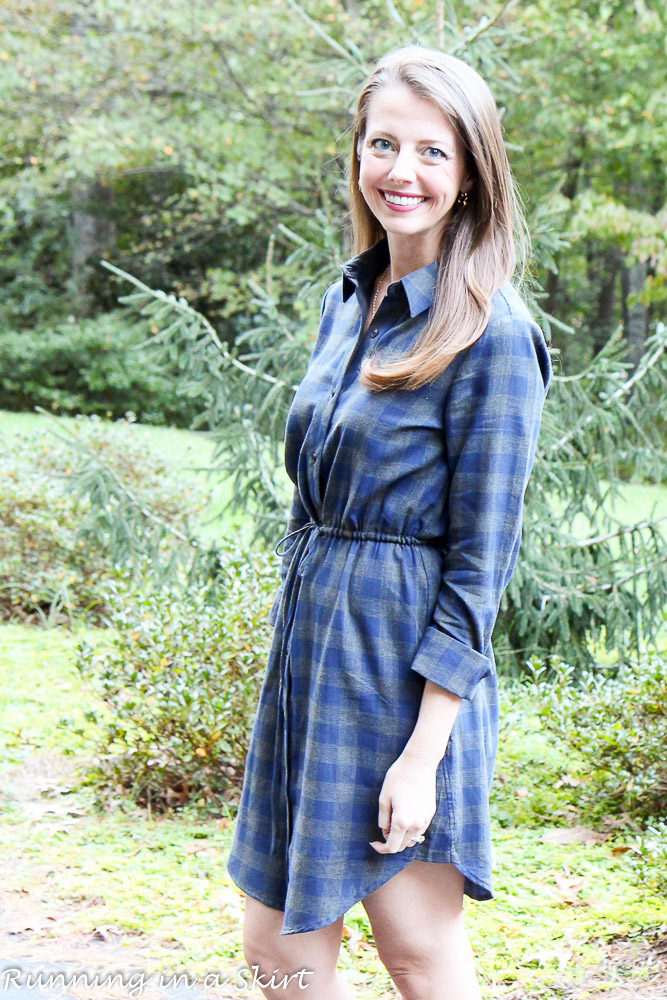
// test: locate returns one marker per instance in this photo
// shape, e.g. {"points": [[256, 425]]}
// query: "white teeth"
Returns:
{"points": [[402, 199]]}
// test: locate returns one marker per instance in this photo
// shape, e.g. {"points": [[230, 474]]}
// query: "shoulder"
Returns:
{"points": [[510, 319], [338, 312], [511, 337], [332, 298]]}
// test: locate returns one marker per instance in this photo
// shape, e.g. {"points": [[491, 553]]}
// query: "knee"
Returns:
{"points": [[261, 935], [412, 983], [413, 965], [259, 950], [432, 966]]}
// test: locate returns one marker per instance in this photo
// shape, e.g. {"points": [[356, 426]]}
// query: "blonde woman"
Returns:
{"points": [[410, 442]]}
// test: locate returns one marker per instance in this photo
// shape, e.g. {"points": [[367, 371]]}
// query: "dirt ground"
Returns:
{"points": [[633, 969]]}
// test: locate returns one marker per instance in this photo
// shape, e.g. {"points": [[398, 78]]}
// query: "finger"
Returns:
{"points": [[384, 817], [413, 839], [394, 841]]}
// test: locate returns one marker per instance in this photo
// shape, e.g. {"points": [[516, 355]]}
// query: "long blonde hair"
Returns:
{"points": [[482, 240]]}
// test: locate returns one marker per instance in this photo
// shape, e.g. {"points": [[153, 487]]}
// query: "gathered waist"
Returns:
{"points": [[357, 535]]}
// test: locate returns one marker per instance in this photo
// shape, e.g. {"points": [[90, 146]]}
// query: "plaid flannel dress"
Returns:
{"points": [[404, 531]]}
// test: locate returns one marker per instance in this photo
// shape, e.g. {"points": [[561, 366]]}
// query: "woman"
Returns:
{"points": [[410, 442]]}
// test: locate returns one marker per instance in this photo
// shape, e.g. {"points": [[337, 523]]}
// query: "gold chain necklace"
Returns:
{"points": [[377, 290]]}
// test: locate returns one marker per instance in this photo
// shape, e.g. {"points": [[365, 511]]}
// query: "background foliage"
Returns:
{"points": [[94, 366], [180, 685], [58, 551], [180, 136]]}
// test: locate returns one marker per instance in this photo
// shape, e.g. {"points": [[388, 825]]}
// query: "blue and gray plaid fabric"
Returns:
{"points": [[404, 531]]}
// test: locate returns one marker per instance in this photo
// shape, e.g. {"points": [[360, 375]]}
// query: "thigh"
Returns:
{"points": [[263, 944], [418, 909], [420, 935]]}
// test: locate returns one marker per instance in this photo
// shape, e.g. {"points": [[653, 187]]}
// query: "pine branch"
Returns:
{"points": [[319, 30], [627, 530], [181, 306], [642, 369]]}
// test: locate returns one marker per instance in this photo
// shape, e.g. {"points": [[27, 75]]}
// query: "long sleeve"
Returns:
{"points": [[492, 418]]}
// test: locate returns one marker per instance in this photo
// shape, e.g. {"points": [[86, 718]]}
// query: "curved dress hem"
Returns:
{"points": [[472, 888]]}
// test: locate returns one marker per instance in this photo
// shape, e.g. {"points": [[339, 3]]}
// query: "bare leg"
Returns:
{"points": [[417, 921], [315, 951]]}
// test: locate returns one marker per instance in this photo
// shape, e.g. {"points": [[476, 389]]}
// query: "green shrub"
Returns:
{"points": [[91, 366], [180, 684], [617, 727], [47, 570], [649, 857], [535, 776]]}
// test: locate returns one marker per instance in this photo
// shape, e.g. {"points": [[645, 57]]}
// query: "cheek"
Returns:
{"points": [[370, 171]]}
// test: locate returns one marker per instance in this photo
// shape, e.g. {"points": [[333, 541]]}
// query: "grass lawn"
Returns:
{"points": [[157, 886]]}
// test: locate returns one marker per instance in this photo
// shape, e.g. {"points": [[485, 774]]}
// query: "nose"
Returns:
{"points": [[403, 167]]}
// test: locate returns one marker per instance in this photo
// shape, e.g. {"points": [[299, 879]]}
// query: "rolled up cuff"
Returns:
{"points": [[449, 663]]}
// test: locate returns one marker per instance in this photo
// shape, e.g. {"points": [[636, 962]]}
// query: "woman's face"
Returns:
{"points": [[412, 168]]}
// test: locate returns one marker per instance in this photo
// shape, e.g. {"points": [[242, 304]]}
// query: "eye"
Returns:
{"points": [[433, 153], [382, 145]]}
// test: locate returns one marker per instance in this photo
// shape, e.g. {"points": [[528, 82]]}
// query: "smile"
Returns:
{"points": [[403, 200]]}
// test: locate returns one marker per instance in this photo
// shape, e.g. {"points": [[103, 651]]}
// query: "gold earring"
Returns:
{"points": [[462, 199]]}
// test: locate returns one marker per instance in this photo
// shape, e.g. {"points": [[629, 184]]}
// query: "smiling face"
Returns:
{"points": [[412, 168]]}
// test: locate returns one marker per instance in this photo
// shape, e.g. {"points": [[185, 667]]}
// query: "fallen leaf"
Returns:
{"points": [[569, 886], [573, 835]]}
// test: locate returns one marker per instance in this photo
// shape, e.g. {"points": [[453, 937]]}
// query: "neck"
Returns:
{"points": [[408, 254]]}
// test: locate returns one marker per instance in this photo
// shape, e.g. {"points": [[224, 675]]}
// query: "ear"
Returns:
{"points": [[466, 183]]}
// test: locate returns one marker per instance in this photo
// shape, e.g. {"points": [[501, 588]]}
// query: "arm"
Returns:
{"points": [[491, 423], [437, 714]]}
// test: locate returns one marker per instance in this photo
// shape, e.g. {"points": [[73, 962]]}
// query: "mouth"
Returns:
{"points": [[402, 200]]}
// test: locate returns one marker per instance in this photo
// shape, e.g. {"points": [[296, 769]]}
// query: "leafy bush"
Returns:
{"points": [[535, 777], [48, 565], [180, 683], [91, 366], [617, 727], [649, 857]]}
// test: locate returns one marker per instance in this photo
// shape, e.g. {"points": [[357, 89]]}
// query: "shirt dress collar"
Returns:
{"points": [[418, 287]]}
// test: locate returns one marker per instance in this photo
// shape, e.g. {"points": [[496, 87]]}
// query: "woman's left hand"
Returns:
{"points": [[407, 803]]}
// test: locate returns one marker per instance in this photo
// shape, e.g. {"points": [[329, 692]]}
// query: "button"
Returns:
{"points": [[333, 390], [374, 332], [313, 456]]}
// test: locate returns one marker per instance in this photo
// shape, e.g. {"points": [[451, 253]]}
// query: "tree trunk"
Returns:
{"points": [[610, 263], [635, 315], [569, 190], [91, 234]]}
